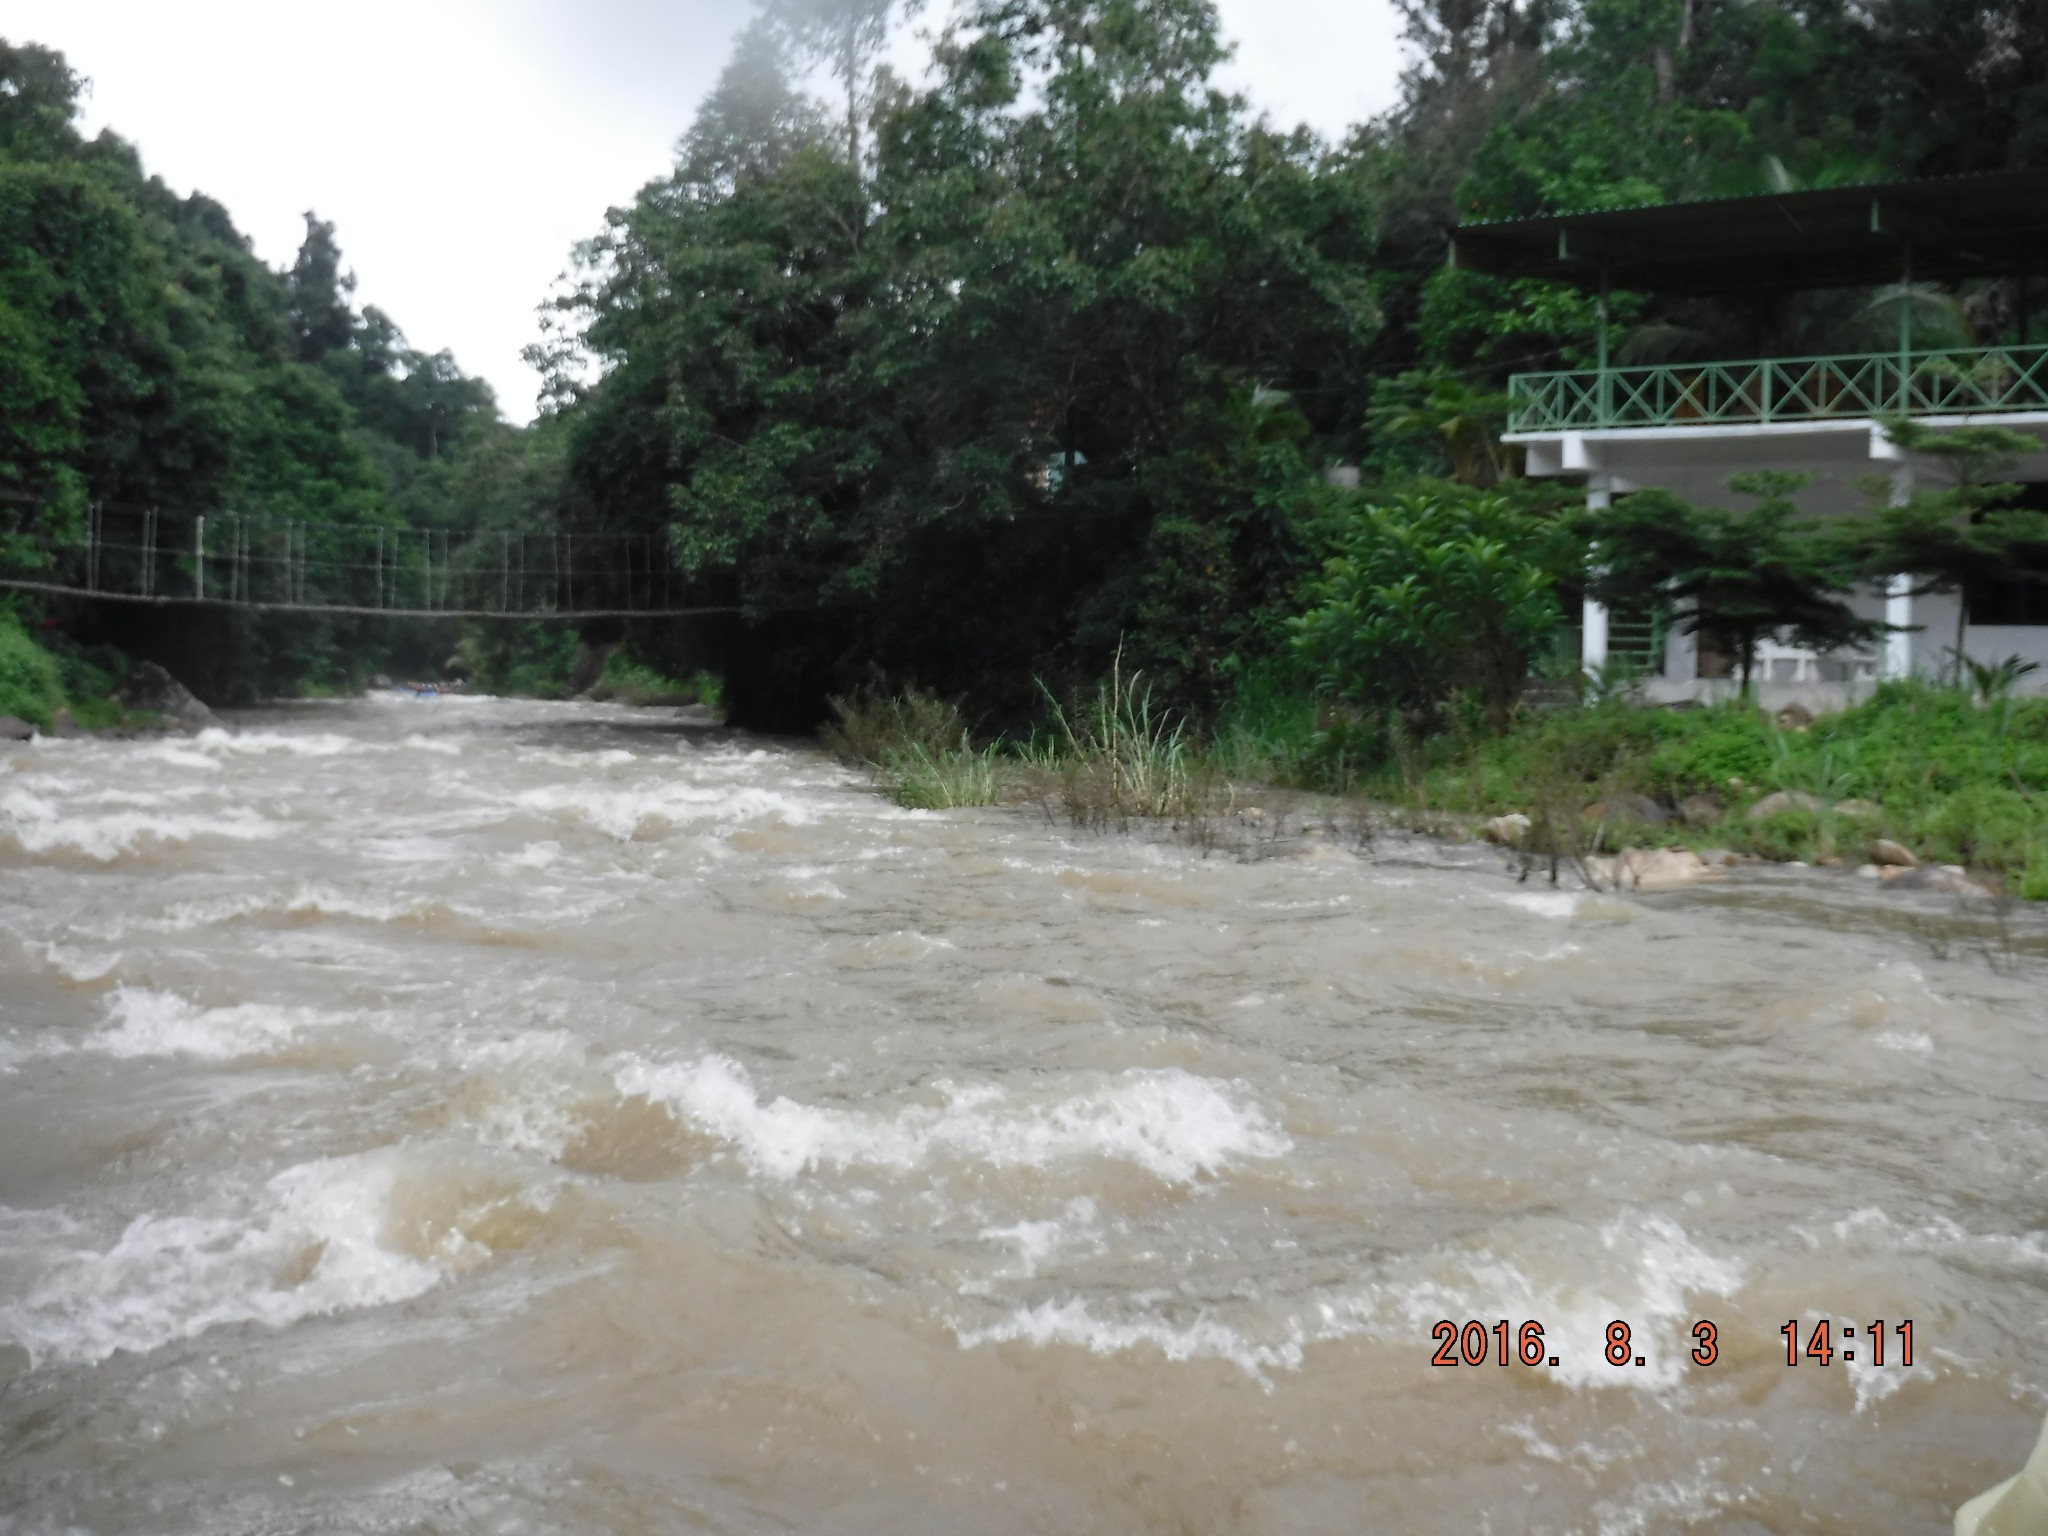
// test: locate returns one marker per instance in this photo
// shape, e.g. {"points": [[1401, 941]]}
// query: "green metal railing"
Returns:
{"points": [[1960, 382]]}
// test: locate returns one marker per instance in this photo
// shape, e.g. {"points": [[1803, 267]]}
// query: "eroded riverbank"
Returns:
{"points": [[472, 1114]]}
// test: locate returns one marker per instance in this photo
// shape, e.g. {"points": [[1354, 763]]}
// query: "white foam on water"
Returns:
{"points": [[78, 964], [306, 901], [1173, 1124], [133, 799], [313, 1247], [627, 814], [1553, 904], [145, 1023], [1037, 1241], [519, 1090], [535, 855], [1942, 1237], [260, 743], [1911, 1042], [36, 826], [177, 755], [419, 743], [1641, 1269], [1074, 1323]]}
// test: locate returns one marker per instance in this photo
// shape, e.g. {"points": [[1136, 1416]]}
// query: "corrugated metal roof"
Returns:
{"points": [[1953, 227]]}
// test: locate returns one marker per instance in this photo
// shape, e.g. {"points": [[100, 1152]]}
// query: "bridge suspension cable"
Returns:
{"points": [[142, 555]]}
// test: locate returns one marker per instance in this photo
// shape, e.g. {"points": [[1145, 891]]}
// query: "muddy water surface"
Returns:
{"points": [[463, 1116]]}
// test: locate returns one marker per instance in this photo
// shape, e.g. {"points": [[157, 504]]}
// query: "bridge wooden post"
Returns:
{"points": [[199, 560]]}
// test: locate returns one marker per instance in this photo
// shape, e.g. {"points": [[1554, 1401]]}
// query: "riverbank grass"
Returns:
{"points": [[1953, 778], [1110, 759], [1951, 775]]}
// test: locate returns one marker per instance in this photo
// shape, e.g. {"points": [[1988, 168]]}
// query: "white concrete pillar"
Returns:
{"points": [[1593, 616], [1898, 596], [1681, 648], [1898, 612]]}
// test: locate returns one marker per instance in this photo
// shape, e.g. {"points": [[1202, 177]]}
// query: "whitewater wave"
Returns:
{"points": [[630, 814], [1641, 1268], [36, 826], [146, 1023], [315, 1247], [1075, 1323], [1177, 1126]]}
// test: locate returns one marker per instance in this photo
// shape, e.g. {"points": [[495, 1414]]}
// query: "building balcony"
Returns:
{"points": [[1782, 391]]}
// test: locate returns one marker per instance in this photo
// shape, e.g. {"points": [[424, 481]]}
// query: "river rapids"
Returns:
{"points": [[463, 1115]]}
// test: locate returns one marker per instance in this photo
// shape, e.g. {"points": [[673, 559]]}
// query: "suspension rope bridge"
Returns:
{"points": [[259, 564]]}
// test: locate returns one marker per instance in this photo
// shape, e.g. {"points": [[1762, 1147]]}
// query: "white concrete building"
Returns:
{"points": [[1689, 427]]}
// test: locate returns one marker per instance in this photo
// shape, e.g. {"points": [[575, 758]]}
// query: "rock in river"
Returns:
{"points": [[150, 687], [1951, 879], [1651, 869], [1884, 851]]}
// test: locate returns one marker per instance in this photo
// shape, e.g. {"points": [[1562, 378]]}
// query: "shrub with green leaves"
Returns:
{"points": [[31, 681], [1440, 590]]}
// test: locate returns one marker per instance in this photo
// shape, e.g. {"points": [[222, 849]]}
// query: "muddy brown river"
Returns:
{"points": [[472, 1116]]}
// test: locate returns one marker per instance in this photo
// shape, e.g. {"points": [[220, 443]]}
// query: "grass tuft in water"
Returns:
{"points": [[1121, 759]]}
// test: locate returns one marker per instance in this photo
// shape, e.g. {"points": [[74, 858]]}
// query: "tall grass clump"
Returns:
{"points": [[1121, 758], [922, 780], [31, 681], [918, 746]]}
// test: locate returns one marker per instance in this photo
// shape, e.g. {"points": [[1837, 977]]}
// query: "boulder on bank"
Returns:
{"points": [[150, 687], [1949, 879], [1651, 869], [1782, 800], [1862, 810], [14, 728], [1509, 831], [1884, 851], [1636, 808], [64, 725], [1702, 810], [588, 666]]}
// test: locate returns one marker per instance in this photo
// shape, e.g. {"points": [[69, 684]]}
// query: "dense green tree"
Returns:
{"points": [[322, 320], [1440, 590], [149, 360], [1765, 572], [1962, 535], [1025, 389]]}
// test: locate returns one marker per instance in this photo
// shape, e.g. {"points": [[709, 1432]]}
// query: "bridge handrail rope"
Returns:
{"points": [[139, 555]]}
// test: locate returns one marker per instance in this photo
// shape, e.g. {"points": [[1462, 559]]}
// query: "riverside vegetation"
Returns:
{"points": [[1064, 367], [1950, 775]]}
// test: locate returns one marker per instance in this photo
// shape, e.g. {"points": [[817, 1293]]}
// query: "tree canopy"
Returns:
{"points": [[985, 379]]}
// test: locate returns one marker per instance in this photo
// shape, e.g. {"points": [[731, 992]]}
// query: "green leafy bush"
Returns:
{"points": [[634, 682], [1440, 590], [31, 682]]}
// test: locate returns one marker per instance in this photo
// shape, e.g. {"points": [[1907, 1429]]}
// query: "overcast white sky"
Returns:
{"points": [[462, 146]]}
